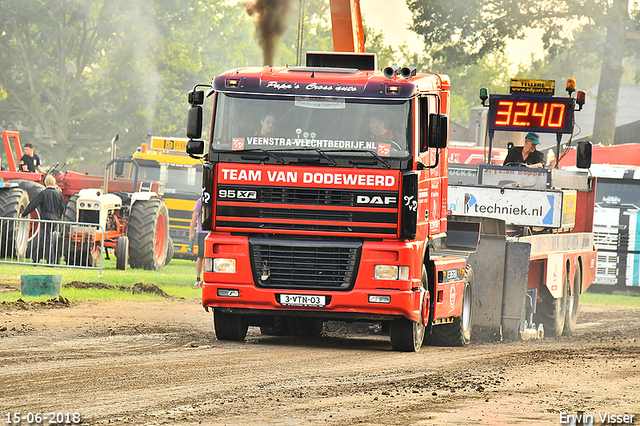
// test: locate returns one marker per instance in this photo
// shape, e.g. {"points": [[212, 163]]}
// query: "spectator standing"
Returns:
{"points": [[196, 228], [52, 207], [30, 162]]}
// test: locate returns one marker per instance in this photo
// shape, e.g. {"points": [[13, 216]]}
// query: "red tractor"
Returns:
{"points": [[123, 214]]}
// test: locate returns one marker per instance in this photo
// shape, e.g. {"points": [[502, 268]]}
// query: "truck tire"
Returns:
{"points": [[571, 315], [280, 327], [305, 327], [229, 326], [14, 237], [458, 333], [406, 335], [148, 230], [551, 312], [122, 252]]}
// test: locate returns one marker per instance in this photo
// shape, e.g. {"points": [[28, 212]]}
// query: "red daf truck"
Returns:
{"points": [[338, 211]]}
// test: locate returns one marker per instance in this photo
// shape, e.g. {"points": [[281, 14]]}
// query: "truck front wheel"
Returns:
{"points": [[229, 326], [407, 336]]}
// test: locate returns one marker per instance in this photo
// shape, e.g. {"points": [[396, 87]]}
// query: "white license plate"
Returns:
{"points": [[302, 300]]}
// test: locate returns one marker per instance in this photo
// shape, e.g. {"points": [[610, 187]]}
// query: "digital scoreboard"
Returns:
{"points": [[531, 113]]}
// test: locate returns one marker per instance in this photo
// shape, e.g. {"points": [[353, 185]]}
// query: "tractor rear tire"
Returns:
{"points": [[458, 333], [170, 251], [122, 252], [229, 326], [14, 236], [551, 312], [32, 188], [571, 315], [148, 230], [71, 209]]}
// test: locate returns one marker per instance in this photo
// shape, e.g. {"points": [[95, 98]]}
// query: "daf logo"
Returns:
{"points": [[365, 199]]}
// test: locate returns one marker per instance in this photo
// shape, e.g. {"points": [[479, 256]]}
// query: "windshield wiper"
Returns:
{"points": [[375, 154], [262, 151], [325, 156]]}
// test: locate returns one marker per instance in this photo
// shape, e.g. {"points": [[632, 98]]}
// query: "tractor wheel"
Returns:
{"points": [[458, 333], [280, 327], [72, 255], [551, 312], [571, 315], [170, 250], [148, 230], [71, 209], [305, 327], [31, 187], [122, 252], [14, 236], [407, 336], [229, 326]]}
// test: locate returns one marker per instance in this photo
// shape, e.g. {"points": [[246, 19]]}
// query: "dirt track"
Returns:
{"points": [[159, 363]]}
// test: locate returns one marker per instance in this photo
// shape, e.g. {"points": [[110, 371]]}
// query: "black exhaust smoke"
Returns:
{"points": [[271, 19]]}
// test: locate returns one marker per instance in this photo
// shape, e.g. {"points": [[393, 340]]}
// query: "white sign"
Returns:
{"points": [[540, 208]]}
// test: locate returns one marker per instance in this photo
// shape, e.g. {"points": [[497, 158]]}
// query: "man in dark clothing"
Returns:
{"points": [[527, 154], [52, 207], [30, 162]]}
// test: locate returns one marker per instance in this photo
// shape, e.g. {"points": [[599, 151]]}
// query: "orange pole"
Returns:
{"points": [[11, 159], [346, 26]]}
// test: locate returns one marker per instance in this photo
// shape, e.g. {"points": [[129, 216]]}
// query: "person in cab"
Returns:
{"points": [[526, 155]]}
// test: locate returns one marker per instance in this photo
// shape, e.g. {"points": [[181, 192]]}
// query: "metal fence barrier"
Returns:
{"points": [[51, 243]]}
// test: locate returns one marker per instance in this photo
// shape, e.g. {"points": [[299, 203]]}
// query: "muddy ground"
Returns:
{"points": [[148, 363]]}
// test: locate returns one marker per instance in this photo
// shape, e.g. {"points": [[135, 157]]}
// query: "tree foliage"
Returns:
{"points": [[462, 32], [73, 73]]}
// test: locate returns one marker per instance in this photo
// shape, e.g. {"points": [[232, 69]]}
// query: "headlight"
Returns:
{"points": [[391, 272], [225, 266]]}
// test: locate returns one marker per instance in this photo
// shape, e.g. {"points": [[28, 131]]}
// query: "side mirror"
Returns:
{"points": [[583, 155], [438, 131], [194, 122], [195, 147]]}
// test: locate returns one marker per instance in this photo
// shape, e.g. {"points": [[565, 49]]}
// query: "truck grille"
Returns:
{"points": [[305, 265], [332, 197], [335, 211]]}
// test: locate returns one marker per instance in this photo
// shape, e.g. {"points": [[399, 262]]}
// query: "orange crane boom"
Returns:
{"points": [[346, 24]]}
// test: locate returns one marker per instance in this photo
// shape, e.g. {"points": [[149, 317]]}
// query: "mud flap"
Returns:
{"points": [[488, 267], [516, 274]]}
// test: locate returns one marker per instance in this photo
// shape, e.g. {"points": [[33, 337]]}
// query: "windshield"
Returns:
{"points": [[617, 192], [177, 179], [283, 123]]}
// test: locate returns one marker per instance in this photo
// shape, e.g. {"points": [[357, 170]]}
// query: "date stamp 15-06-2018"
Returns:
{"points": [[39, 418]]}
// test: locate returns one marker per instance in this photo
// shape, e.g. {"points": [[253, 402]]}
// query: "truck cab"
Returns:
{"points": [[324, 193]]}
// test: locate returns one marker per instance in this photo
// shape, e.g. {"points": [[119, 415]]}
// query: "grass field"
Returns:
{"points": [[624, 299], [176, 279]]}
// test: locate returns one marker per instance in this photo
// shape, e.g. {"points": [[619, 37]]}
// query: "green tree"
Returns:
{"points": [[461, 32], [47, 52]]}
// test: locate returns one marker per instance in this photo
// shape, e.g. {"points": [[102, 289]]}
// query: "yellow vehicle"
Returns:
{"points": [[165, 160]]}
